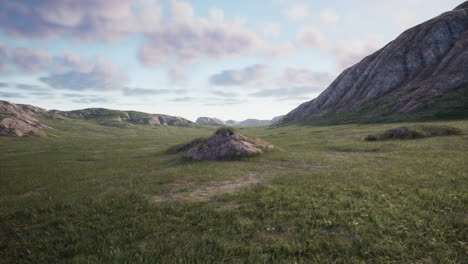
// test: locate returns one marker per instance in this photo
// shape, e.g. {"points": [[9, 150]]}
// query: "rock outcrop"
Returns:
{"points": [[415, 132], [225, 144], [212, 121], [109, 117], [20, 120], [407, 75]]}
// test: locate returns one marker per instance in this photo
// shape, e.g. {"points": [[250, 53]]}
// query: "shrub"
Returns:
{"points": [[225, 130]]}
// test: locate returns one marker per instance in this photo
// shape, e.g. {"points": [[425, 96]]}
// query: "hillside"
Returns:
{"points": [[421, 75], [109, 117], [22, 120]]}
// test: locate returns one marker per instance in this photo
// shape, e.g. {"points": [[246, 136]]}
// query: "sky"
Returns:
{"points": [[227, 59]]}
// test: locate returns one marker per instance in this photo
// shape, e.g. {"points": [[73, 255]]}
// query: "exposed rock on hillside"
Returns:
{"points": [[277, 119], [210, 121], [20, 120], [407, 75], [225, 144], [109, 117]]}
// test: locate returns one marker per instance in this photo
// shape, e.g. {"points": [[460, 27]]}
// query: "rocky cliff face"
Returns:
{"points": [[212, 121], [422, 64], [20, 120]]}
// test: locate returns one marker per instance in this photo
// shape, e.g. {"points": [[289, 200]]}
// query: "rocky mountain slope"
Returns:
{"points": [[109, 117], [425, 67], [20, 120], [212, 121], [219, 122]]}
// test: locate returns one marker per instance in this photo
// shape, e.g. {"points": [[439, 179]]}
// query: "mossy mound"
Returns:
{"points": [[225, 144], [415, 132]]}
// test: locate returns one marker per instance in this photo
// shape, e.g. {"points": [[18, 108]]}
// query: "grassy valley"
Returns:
{"points": [[96, 194]]}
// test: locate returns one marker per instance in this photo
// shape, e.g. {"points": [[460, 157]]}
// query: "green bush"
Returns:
{"points": [[229, 131]]}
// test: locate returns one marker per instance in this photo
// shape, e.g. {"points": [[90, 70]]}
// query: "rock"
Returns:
{"points": [[277, 120], [408, 74], [20, 120], [17, 127], [186, 146], [415, 132], [212, 121], [225, 144]]}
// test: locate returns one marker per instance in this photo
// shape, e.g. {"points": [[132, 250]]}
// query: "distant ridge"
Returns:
{"points": [[423, 74], [22, 120]]}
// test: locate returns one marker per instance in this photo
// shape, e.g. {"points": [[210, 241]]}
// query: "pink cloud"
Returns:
{"points": [[82, 19]]}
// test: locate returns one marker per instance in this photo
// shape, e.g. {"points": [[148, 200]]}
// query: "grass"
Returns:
{"points": [[84, 195]]}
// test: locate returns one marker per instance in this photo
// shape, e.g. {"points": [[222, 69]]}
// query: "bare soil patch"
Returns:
{"points": [[210, 191]]}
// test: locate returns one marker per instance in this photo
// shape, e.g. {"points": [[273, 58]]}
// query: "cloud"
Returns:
{"points": [[74, 95], [310, 37], [69, 71], [246, 76], [91, 100], [305, 77], [297, 12], [143, 92], [287, 93], [226, 101], [183, 99], [270, 29], [82, 19], [178, 75], [351, 52], [23, 60], [224, 94], [10, 95], [329, 17], [29, 87], [103, 77], [2, 84], [187, 38]]}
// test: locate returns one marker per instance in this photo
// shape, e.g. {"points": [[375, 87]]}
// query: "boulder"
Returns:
{"points": [[225, 144]]}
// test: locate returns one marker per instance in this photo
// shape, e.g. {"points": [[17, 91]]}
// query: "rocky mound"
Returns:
{"points": [[212, 121], [410, 74], [415, 132], [20, 120], [225, 144]]}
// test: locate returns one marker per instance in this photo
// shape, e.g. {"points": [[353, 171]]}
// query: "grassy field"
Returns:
{"points": [[96, 194]]}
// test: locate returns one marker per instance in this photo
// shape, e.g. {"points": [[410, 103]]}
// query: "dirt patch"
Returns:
{"points": [[214, 188]]}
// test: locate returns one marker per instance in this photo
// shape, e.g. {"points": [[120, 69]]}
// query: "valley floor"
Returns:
{"points": [[96, 194]]}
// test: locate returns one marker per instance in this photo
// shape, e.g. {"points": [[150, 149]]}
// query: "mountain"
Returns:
{"points": [[423, 74], [232, 123], [20, 120], [219, 122], [254, 122], [109, 117], [212, 121]]}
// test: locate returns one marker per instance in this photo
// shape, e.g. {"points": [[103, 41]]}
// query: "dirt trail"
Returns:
{"points": [[214, 188]]}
